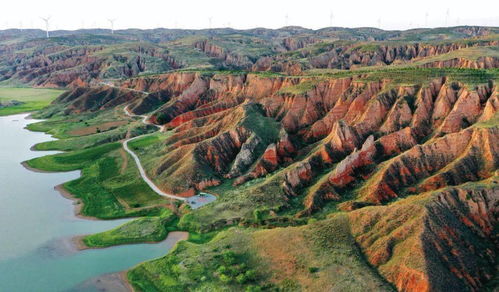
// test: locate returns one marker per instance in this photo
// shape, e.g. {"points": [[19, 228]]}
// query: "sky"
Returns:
{"points": [[196, 14]]}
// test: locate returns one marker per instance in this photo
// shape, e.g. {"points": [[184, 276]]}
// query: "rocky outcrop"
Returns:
{"points": [[347, 57], [293, 44], [245, 157], [269, 64], [480, 63], [469, 155], [229, 59], [84, 99], [326, 134], [54, 65], [357, 166], [435, 241]]}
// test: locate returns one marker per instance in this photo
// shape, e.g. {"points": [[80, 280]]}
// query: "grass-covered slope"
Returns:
{"points": [[319, 256], [26, 99], [110, 185]]}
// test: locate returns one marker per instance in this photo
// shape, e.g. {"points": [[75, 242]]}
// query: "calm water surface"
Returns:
{"points": [[37, 224]]}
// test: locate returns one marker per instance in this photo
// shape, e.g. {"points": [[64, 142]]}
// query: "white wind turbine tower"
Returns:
{"points": [[111, 21], [46, 20], [447, 17], [379, 23], [331, 17], [426, 19], [209, 22], [286, 19]]}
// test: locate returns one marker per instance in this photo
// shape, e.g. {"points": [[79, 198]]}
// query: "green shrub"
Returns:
{"points": [[313, 270], [225, 278]]}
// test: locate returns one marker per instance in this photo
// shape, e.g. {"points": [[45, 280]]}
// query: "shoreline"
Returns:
{"points": [[118, 280], [77, 203], [121, 279], [25, 164], [123, 276], [78, 244]]}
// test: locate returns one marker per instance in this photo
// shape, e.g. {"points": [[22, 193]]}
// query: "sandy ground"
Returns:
{"points": [[114, 282]]}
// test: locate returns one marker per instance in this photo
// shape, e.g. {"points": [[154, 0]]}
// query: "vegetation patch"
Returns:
{"points": [[320, 256], [146, 229], [226, 263], [104, 190], [300, 88], [30, 99], [97, 128]]}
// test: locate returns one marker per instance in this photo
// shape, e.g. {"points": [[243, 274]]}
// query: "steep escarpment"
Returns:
{"points": [[480, 63], [469, 155], [53, 64], [333, 116], [229, 59], [225, 147], [347, 57], [434, 241], [324, 134], [85, 99]]}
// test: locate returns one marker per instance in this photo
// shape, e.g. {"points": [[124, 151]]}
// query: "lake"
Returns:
{"points": [[37, 224]]}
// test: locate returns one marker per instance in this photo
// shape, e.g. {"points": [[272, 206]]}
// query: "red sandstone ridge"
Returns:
{"points": [[469, 155], [221, 125], [435, 241], [228, 58], [327, 140], [60, 65]]}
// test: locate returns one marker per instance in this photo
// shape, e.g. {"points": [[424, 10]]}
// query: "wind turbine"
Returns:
{"points": [[111, 21], [209, 21], [286, 19], [331, 17], [46, 20], [426, 19], [379, 23], [447, 16]]}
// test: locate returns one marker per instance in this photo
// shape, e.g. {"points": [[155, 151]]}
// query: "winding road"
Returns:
{"points": [[194, 201]]}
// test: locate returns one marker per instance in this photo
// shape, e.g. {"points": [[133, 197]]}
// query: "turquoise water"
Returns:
{"points": [[37, 224]]}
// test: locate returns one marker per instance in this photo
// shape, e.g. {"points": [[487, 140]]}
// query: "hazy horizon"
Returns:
{"points": [[250, 28], [192, 14]]}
